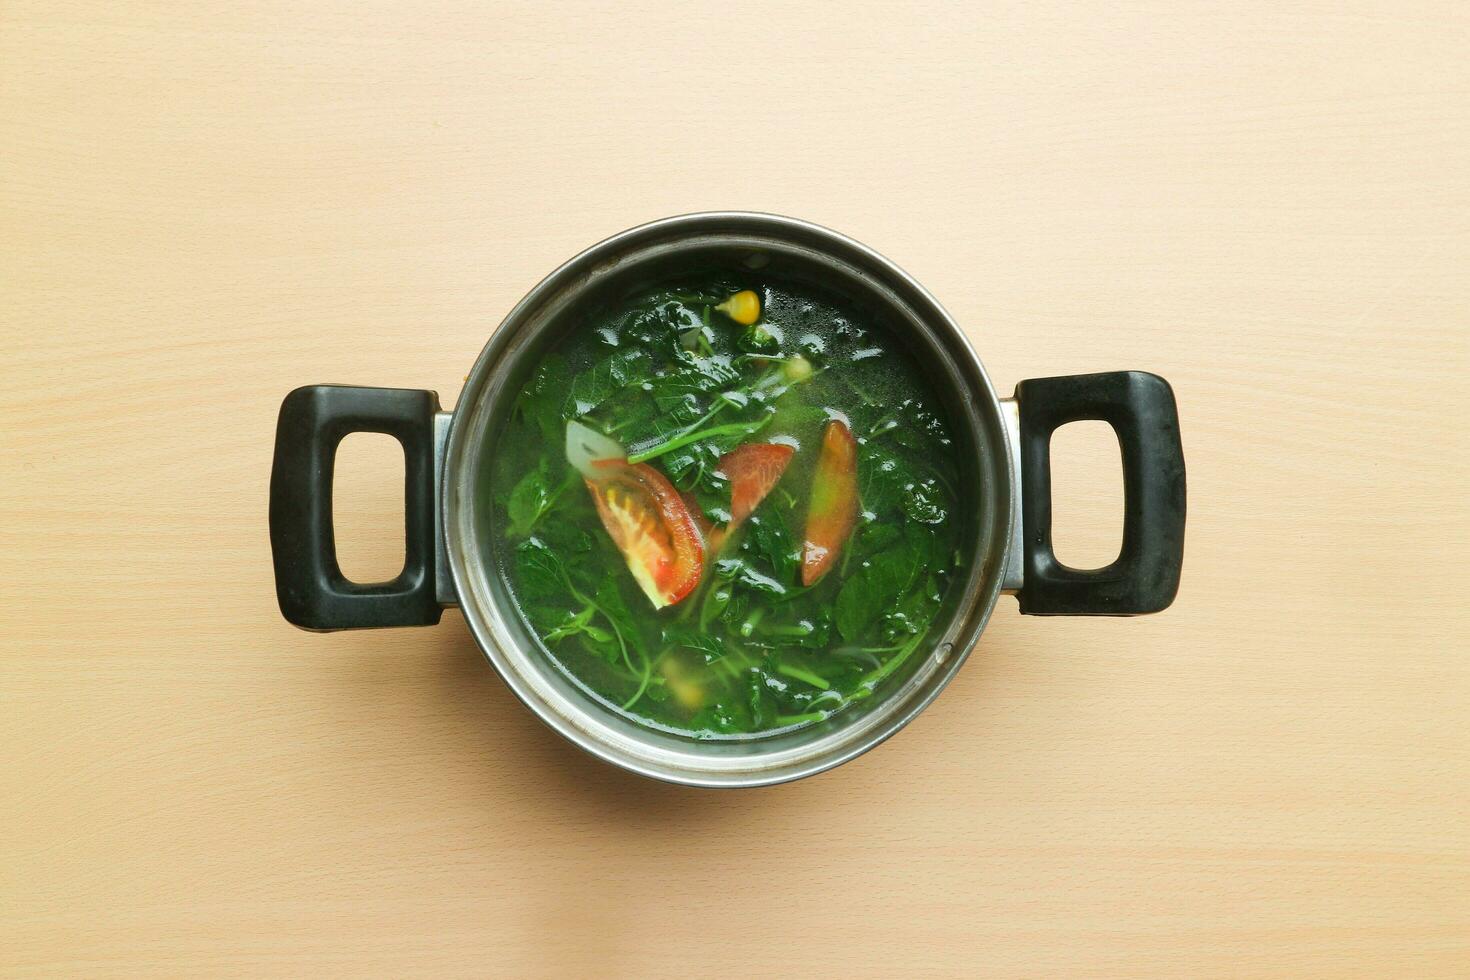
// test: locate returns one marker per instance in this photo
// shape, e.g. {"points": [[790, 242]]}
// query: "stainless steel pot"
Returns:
{"points": [[452, 558]]}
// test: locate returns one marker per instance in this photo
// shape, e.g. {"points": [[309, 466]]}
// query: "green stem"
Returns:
{"points": [[696, 600], [876, 677], [877, 428], [803, 675], [643, 685], [847, 550], [622, 645], [693, 426], [680, 441], [752, 621], [701, 591]]}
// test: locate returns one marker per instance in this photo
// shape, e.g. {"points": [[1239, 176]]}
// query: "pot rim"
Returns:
{"points": [[620, 744]]}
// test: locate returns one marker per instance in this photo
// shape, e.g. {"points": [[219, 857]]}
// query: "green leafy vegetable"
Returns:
{"points": [[539, 571], [686, 638], [770, 539], [541, 400], [879, 584], [530, 500], [603, 380], [743, 573], [880, 480], [923, 502]]}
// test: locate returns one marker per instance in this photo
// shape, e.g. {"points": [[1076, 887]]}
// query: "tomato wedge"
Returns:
{"points": [[752, 470], [652, 527], [833, 508]]}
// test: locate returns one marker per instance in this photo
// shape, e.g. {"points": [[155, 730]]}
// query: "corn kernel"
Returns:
{"points": [[744, 307], [797, 369], [688, 692]]}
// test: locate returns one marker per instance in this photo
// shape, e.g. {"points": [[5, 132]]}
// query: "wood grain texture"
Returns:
{"points": [[204, 205]]}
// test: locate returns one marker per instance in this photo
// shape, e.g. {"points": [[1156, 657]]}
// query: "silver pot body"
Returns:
{"points": [[458, 557]]}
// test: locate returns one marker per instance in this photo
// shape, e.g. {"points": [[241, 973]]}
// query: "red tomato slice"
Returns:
{"points": [[652, 527], [752, 470], [833, 509]]}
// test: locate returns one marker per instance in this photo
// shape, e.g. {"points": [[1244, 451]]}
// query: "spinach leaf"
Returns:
{"points": [[678, 408], [723, 717], [888, 482], [565, 538], [901, 565], [604, 379], [532, 497], [684, 468], [570, 544], [601, 644], [880, 480], [873, 538], [629, 413], [758, 700], [884, 578], [923, 501], [913, 613], [570, 624], [712, 495], [769, 538], [540, 571], [739, 570], [725, 438], [658, 324], [857, 606], [697, 376], [734, 607], [688, 638], [654, 428], [541, 401], [547, 619]]}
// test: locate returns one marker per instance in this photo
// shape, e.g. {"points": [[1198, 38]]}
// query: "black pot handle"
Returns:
{"points": [[309, 584], [1140, 407]]}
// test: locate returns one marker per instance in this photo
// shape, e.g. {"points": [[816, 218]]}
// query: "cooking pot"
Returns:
{"points": [[1002, 445]]}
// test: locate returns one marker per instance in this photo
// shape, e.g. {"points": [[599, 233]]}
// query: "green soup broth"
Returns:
{"points": [[678, 381]]}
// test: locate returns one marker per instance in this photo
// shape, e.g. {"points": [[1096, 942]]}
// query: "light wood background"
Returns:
{"points": [[207, 204]]}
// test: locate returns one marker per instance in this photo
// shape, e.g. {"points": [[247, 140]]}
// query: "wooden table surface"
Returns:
{"points": [[207, 204]]}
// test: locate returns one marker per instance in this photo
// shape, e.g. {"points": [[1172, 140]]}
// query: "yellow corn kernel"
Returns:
{"points": [[744, 307], [797, 369], [688, 692]]}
